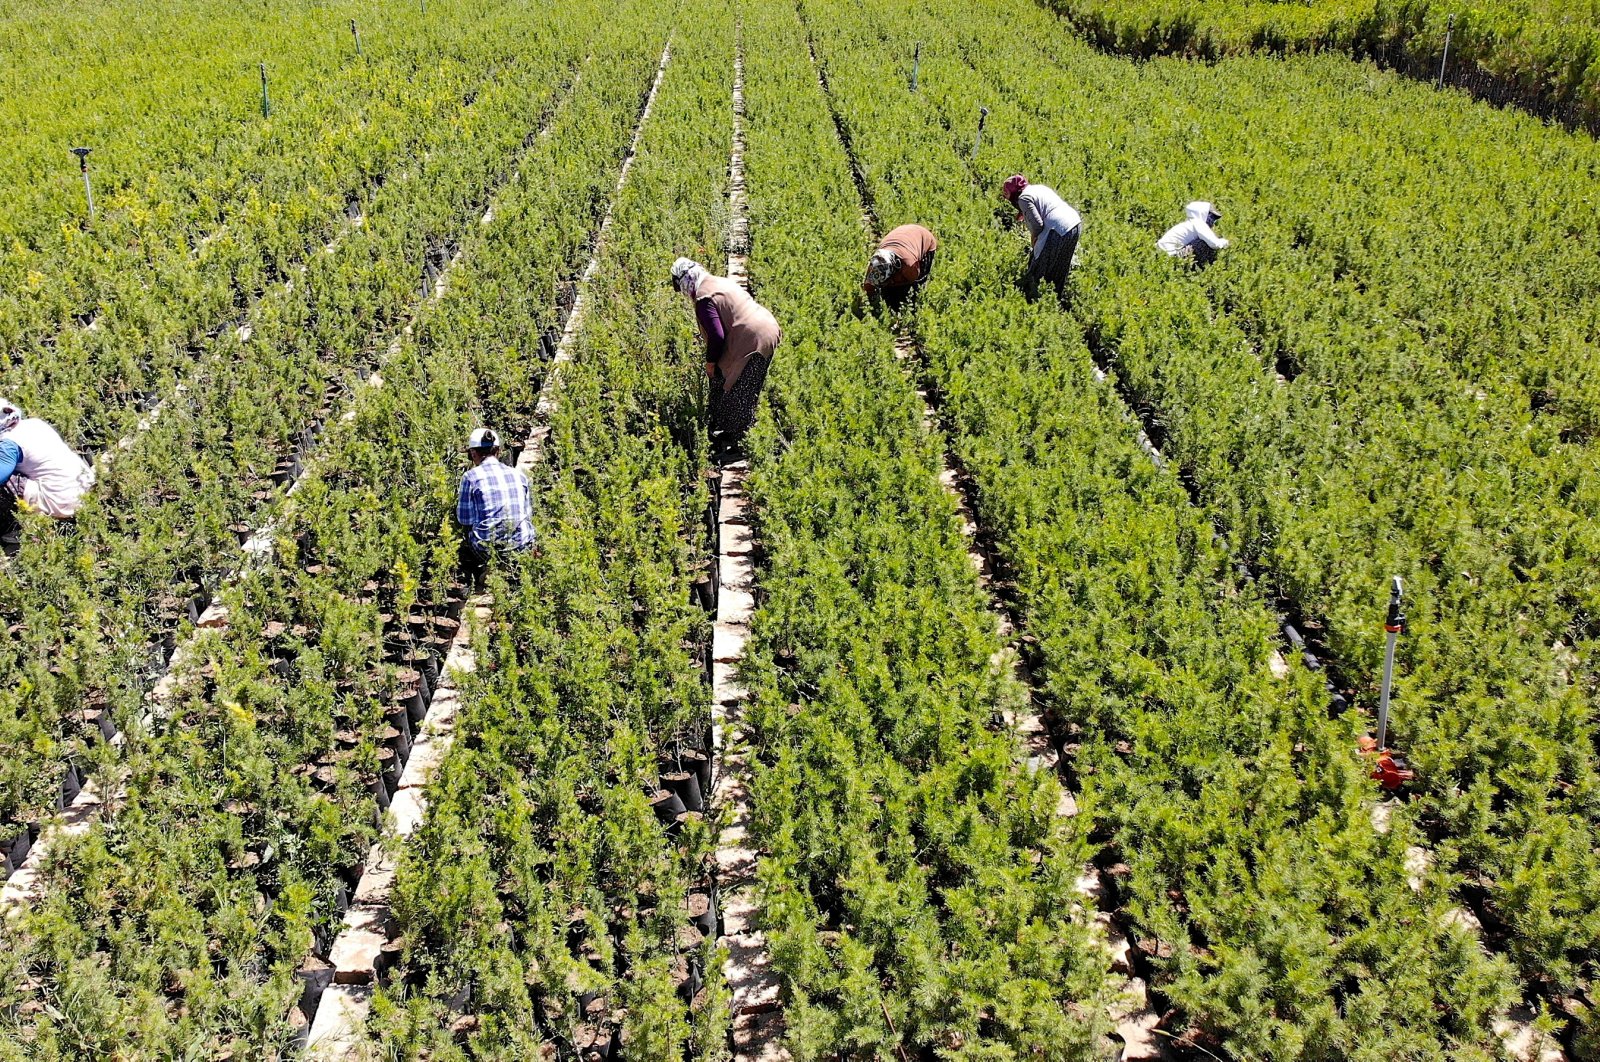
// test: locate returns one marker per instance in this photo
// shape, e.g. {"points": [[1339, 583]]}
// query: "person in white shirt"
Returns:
{"points": [[1054, 228], [1193, 239], [37, 469]]}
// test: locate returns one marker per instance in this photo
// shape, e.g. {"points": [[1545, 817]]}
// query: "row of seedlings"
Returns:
{"points": [[918, 882], [1135, 1024], [189, 911], [1350, 376], [95, 615], [369, 938], [1268, 915], [558, 892], [98, 324]]}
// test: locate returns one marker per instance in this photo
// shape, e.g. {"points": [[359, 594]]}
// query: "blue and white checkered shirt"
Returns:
{"points": [[496, 506]]}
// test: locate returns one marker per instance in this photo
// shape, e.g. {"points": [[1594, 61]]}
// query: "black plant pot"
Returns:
{"points": [[592, 1044], [380, 790], [101, 718], [686, 784], [14, 850], [399, 717], [667, 806], [423, 663], [704, 914], [691, 981], [700, 764], [314, 975], [410, 705], [399, 741], [71, 785]]}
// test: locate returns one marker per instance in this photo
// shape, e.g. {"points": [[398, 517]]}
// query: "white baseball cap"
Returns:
{"points": [[482, 439]]}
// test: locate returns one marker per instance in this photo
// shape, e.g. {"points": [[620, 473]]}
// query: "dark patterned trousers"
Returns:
{"points": [[733, 412], [1053, 264]]}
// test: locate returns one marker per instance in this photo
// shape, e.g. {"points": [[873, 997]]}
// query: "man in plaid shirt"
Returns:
{"points": [[494, 507]]}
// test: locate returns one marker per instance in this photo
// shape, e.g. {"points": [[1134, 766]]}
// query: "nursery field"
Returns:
{"points": [[1543, 55], [1005, 704]]}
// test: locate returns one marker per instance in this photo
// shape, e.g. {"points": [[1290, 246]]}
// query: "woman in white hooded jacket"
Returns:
{"points": [[1193, 238], [38, 469]]}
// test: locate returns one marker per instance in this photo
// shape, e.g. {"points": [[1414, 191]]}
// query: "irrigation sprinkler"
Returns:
{"points": [[1394, 625], [916, 66], [356, 33], [266, 101], [1389, 769], [983, 114], [83, 165], [1449, 27]]}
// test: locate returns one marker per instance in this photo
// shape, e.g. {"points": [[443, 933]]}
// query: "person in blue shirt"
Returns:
{"points": [[494, 507]]}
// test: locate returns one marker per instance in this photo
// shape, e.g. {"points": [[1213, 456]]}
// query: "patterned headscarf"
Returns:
{"points": [[883, 265], [10, 415], [686, 275], [1013, 186]]}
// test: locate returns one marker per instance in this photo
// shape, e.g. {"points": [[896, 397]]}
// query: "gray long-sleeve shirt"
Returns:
{"points": [[1044, 212]]}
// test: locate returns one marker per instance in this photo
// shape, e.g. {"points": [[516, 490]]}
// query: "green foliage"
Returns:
{"points": [[919, 890], [541, 853], [1542, 54]]}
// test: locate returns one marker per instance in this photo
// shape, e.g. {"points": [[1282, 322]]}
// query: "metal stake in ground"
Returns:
{"points": [[983, 115], [916, 66], [1394, 625], [1449, 27], [266, 101], [356, 33], [83, 164]]}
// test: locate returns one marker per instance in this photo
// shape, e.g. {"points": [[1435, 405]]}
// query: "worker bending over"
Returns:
{"points": [[740, 337], [494, 507], [1193, 239], [901, 265], [37, 470], [1054, 227]]}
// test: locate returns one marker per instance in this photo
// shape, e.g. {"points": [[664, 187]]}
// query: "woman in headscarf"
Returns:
{"points": [[1193, 239], [740, 336], [901, 264], [1054, 227]]}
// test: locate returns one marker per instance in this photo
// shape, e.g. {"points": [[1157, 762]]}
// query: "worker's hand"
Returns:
{"points": [[867, 288], [711, 370]]}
